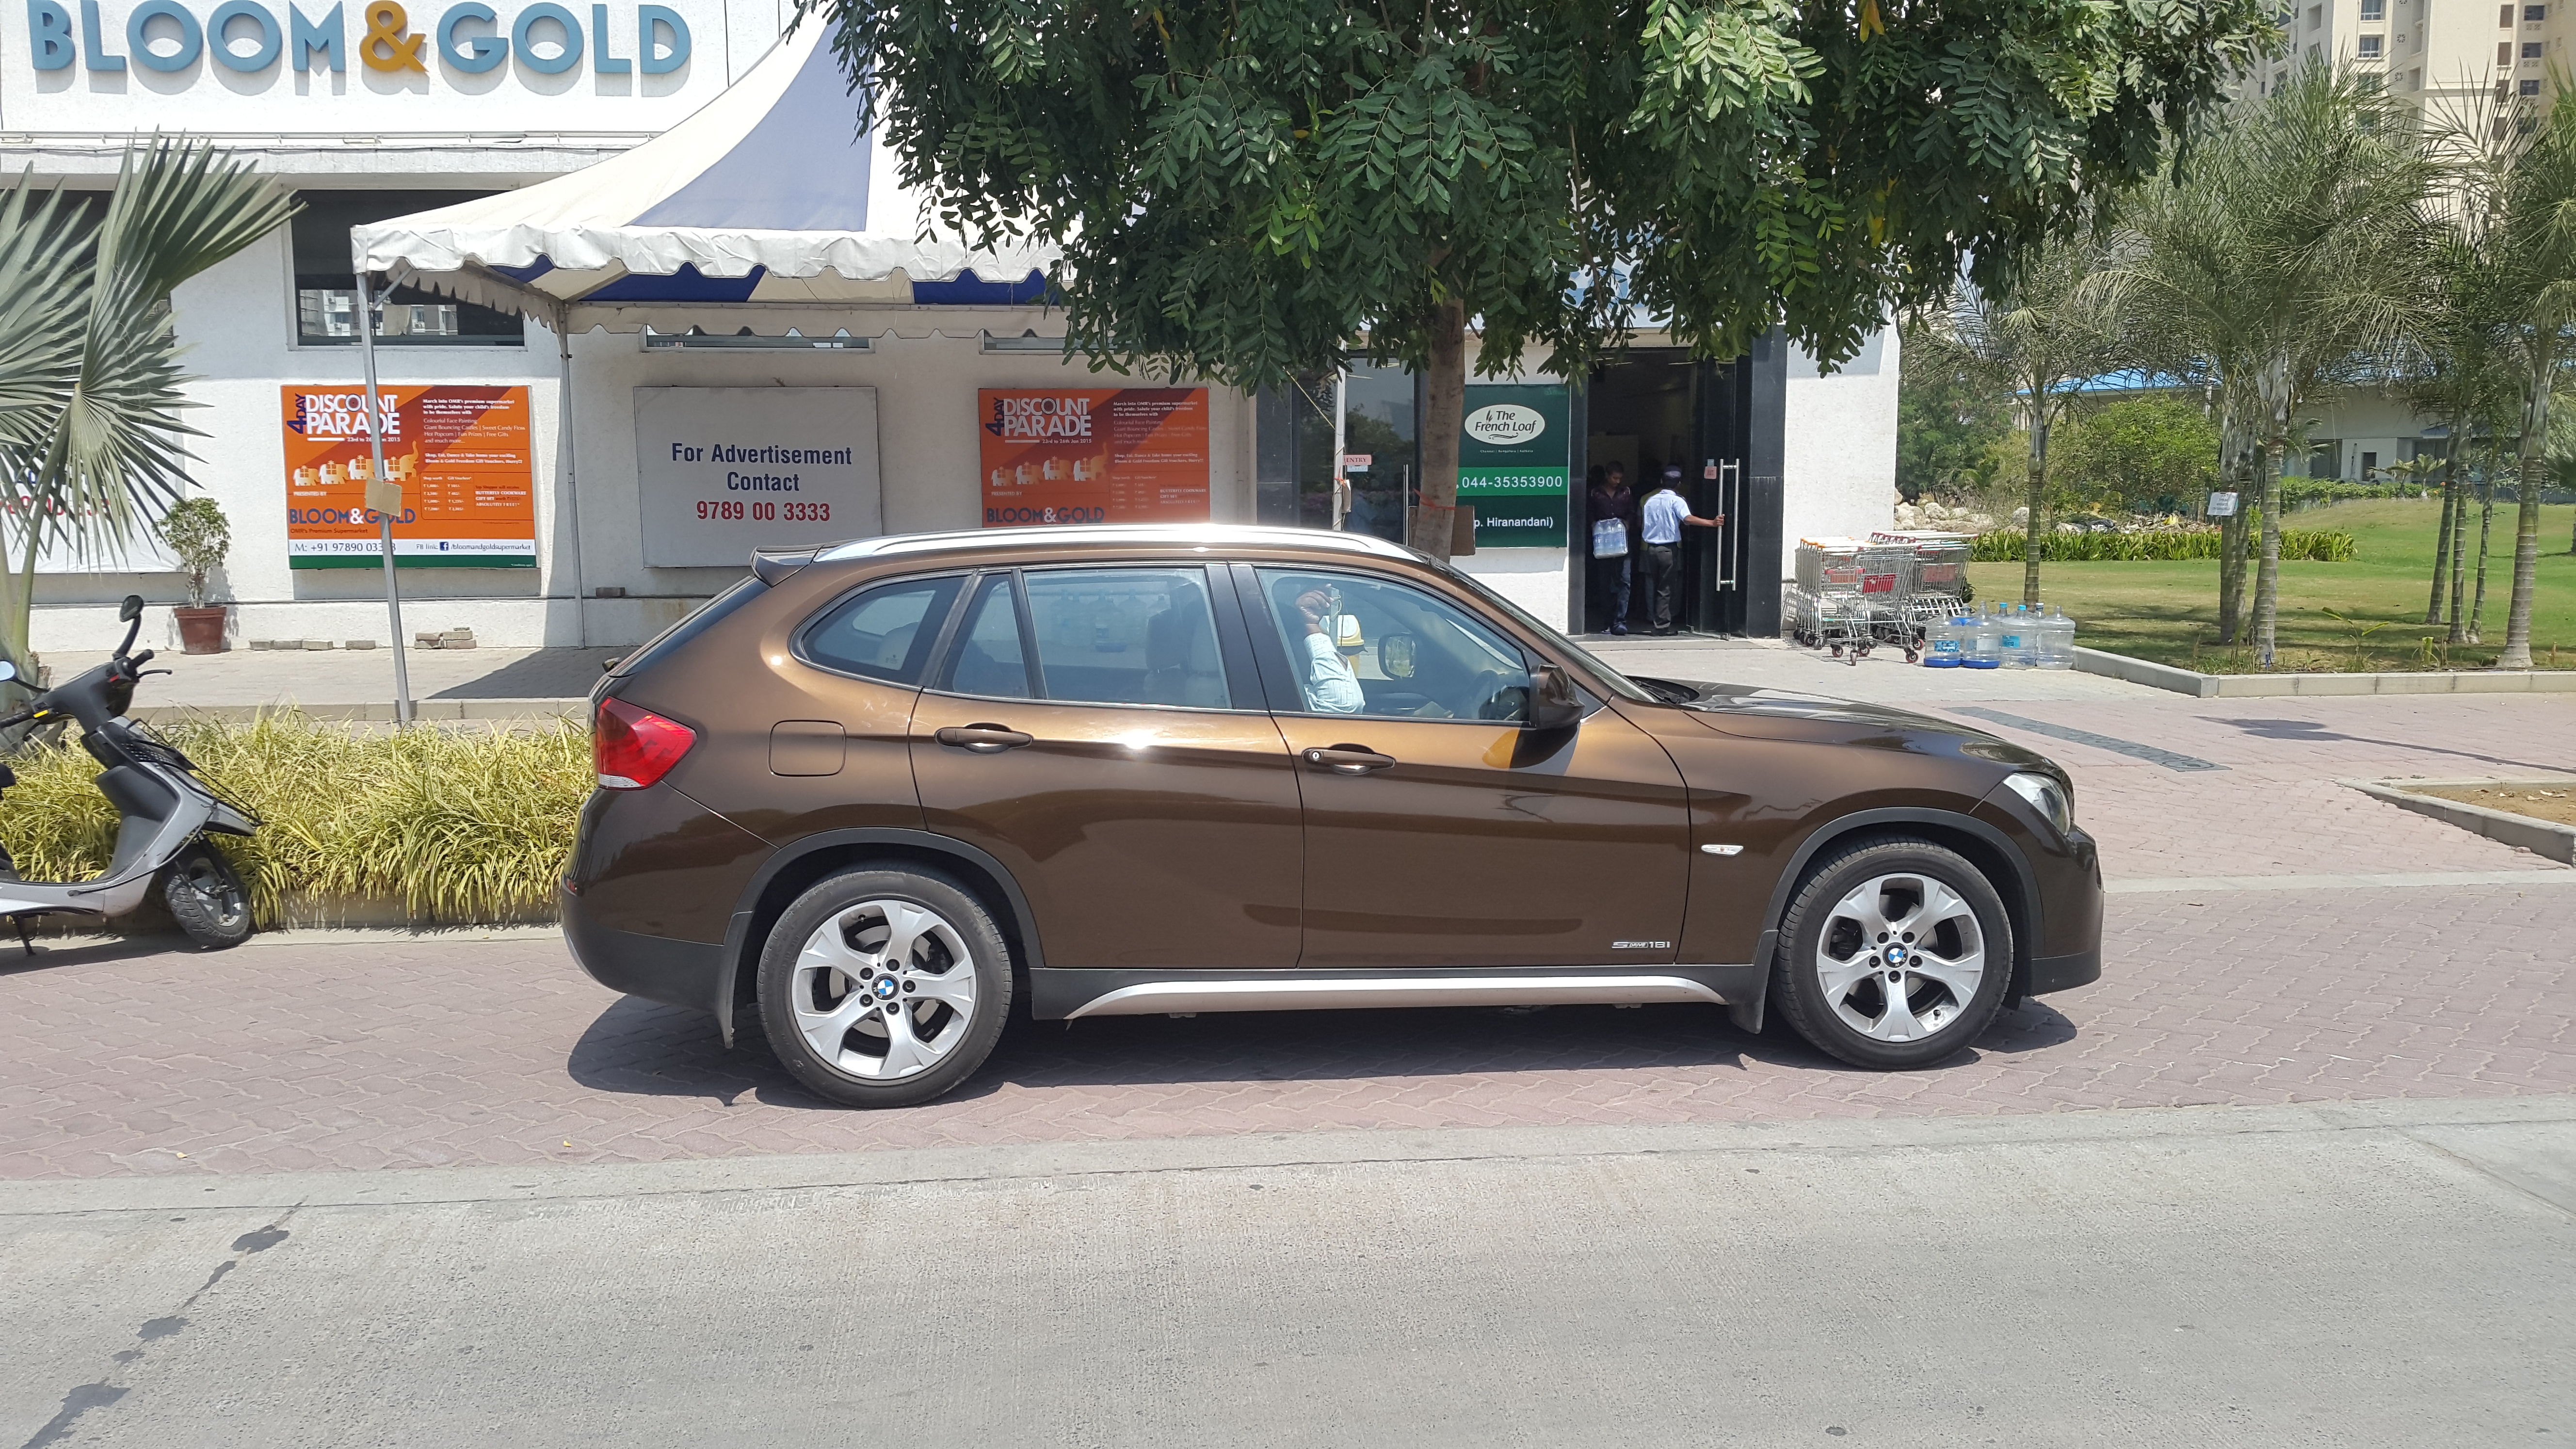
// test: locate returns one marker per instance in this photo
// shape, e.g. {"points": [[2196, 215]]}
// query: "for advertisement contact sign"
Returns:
{"points": [[721, 471]]}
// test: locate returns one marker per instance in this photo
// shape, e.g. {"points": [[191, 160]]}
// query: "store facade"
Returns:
{"points": [[685, 450]]}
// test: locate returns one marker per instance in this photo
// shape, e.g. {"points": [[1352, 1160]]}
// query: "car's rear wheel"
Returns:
{"points": [[884, 988], [1895, 953]]}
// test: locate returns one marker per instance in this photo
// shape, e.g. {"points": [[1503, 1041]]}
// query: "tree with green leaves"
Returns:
{"points": [[2041, 339], [2278, 256], [2156, 450], [2514, 192], [1948, 418], [1246, 189], [91, 440]]}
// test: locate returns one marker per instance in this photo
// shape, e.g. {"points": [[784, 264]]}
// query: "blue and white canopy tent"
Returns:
{"points": [[754, 213]]}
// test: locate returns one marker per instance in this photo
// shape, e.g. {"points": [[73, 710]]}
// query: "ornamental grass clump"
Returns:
{"points": [[457, 826]]}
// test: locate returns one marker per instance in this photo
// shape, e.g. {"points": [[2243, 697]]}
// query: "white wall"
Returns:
{"points": [[1839, 468], [236, 321]]}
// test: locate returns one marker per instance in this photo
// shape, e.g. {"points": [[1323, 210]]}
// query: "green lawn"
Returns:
{"points": [[2168, 612]]}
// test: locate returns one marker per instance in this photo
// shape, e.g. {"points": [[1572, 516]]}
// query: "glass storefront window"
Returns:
{"points": [[1294, 451], [326, 291]]}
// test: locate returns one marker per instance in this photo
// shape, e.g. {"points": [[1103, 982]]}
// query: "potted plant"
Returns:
{"points": [[196, 532]]}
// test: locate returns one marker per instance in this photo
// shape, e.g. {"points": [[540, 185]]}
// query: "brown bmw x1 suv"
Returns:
{"points": [[864, 801]]}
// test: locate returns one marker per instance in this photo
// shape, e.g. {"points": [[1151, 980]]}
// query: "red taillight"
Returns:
{"points": [[633, 747]]}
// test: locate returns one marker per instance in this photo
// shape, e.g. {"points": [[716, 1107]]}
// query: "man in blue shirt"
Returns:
{"points": [[1666, 515]]}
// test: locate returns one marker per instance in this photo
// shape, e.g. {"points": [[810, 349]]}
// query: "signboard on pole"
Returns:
{"points": [[721, 471], [1515, 463], [1094, 455], [459, 455], [2222, 505]]}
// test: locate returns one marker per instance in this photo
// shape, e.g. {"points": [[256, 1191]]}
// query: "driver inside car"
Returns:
{"points": [[1324, 676]]}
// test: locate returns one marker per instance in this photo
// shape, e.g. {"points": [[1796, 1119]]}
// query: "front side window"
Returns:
{"points": [[883, 633], [1358, 645], [326, 289], [1127, 636]]}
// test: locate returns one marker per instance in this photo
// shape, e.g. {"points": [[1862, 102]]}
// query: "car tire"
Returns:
{"points": [[865, 1020], [1895, 953]]}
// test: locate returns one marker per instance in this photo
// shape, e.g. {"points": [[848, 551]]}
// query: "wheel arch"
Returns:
{"points": [[1988, 849], [795, 867]]}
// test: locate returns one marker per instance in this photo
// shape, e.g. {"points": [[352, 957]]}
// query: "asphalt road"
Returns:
{"points": [[2391, 1274]]}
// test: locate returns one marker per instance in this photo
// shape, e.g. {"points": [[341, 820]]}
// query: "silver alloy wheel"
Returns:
{"points": [[1901, 957], [884, 990]]}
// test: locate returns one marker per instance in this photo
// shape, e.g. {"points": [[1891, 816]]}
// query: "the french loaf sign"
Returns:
{"points": [[1513, 463]]}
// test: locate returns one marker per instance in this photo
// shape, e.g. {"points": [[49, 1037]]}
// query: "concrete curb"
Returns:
{"points": [[2540, 837], [436, 711], [2275, 686], [823, 1171]]}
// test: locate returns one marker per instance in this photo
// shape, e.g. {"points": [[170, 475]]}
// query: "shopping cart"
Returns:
{"points": [[1929, 581], [1836, 621]]}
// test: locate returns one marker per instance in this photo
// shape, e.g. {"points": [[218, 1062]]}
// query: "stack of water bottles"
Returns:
{"points": [[2006, 636]]}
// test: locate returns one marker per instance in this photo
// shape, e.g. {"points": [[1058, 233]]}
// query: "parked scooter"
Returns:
{"points": [[166, 810]]}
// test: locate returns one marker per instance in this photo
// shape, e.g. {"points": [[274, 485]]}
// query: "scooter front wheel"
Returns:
{"points": [[206, 896]]}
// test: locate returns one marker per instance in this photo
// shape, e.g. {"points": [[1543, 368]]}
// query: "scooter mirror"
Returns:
{"points": [[130, 610], [8, 671]]}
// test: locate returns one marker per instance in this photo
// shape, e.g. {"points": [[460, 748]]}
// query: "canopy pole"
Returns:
{"points": [[1341, 475], [571, 492], [384, 519]]}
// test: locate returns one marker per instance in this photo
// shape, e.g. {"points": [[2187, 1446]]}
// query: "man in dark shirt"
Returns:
{"points": [[1609, 497]]}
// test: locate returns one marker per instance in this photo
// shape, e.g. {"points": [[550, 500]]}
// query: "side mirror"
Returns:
{"points": [[1554, 704], [8, 671], [130, 610]]}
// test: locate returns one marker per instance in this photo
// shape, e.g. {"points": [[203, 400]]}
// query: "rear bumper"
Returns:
{"points": [[657, 968]]}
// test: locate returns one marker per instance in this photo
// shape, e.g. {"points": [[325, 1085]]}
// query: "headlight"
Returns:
{"points": [[2047, 797]]}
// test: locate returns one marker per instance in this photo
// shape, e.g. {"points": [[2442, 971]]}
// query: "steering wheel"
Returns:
{"points": [[1481, 693]]}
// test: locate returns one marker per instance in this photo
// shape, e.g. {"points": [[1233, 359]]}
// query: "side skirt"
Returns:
{"points": [[1062, 994]]}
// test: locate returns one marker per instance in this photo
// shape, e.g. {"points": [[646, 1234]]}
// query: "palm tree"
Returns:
{"points": [[2514, 190], [2039, 339], [2279, 257], [90, 385]]}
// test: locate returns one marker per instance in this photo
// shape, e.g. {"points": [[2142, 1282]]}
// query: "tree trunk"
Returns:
{"points": [[2460, 569], [2526, 564], [2231, 457], [2032, 527], [2232, 550], [2442, 539], [2486, 526], [2267, 579], [1444, 415]]}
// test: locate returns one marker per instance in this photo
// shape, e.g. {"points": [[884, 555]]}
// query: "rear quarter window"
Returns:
{"points": [[885, 632]]}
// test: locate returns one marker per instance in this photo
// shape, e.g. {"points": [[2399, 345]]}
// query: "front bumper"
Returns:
{"points": [[2064, 973]]}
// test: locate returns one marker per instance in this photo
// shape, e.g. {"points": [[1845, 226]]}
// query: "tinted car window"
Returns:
{"points": [[989, 658], [883, 633], [1367, 646], [1127, 636]]}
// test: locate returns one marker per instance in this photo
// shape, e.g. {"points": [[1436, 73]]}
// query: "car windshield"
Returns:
{"points": [[1611, 679]]}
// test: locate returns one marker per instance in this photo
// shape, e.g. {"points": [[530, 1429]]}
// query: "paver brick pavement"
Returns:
{"points": [[126, 1059]]}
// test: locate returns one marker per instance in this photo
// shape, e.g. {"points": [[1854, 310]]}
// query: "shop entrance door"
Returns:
{"points": [[1657, 407]]}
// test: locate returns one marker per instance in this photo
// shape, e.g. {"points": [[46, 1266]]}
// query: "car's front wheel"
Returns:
{"points": [[1894, 953], [884, 988]]}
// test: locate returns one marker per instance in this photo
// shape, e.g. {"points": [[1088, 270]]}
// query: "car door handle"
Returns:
{"points": [[983, 739], [1349, 759]]}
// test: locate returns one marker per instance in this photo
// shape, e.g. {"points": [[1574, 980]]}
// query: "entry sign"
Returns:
{"points": [[1514, 463], [721, 471], [2222, 505], [1357, 462]]}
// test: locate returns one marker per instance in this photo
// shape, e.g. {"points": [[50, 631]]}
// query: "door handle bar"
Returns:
{"points": [[1348, 759], [983, 739]]}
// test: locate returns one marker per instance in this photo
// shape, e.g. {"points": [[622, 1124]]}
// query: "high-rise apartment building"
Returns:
{"points": [[2441, 55]]}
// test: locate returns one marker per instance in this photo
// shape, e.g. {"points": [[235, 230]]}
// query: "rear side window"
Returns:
{"points": [[883, 633], [1127, 636]]}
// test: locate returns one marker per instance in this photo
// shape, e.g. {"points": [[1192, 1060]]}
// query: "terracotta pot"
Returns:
{"points": [[201, 631]]}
